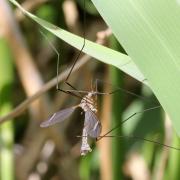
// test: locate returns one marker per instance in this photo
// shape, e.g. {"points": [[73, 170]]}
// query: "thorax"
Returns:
{"points": [[89, 102]]}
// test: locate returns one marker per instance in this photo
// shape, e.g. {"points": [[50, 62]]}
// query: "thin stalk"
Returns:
{"points": [[172, 171], [117, 107], [6, 129]]}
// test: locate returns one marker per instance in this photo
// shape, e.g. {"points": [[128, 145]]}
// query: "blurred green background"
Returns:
{"points": [[27, 62]]}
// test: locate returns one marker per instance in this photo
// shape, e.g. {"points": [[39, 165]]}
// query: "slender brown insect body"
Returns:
{"points": [[92, 125]]}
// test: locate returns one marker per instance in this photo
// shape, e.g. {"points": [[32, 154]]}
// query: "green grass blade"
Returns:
{"points": [[118, 152], [97, 51], [6, 129], [149, 32]]}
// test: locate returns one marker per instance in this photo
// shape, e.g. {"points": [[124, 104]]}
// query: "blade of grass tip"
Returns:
{"points": [[6, 129], [117, 107]]}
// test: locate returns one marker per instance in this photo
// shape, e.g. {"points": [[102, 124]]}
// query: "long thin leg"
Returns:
{"points": [[137, 138], [76, 59], [57, 75], [78, 91], [119, 89], [80, 52], [136, 113], [143, 139], [128, 118]]}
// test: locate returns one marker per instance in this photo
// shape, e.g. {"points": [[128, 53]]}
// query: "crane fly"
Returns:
{"points": [[88, 103], [92, 126]]}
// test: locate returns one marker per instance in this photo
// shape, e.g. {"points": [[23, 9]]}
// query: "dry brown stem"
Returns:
{"points": [[71, 16], [105, 144], [28, 72], [31, 81], [20, 108]]}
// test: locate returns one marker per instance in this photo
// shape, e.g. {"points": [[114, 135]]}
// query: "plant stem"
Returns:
{"points": [[117, 108], [6, 129]]}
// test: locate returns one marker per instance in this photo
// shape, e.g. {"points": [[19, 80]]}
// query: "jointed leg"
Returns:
{"points": [[117, 89], [128, 118]]}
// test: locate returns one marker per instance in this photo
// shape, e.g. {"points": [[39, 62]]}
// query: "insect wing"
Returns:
{"points": [[58, 117], [92, 124]]}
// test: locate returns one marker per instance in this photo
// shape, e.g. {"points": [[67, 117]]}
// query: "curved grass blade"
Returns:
{"points": [[104, 54]]}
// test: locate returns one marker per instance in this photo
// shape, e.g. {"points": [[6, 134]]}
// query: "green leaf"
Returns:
{"points": [[97, 51], [149, 31]]}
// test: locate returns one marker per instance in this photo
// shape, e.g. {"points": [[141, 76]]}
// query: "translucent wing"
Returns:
{"points": [[92, 124], [58, 117]]}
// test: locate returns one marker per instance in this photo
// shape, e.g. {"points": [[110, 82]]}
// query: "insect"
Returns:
{"points": [[92, 125], [88, 103]]}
